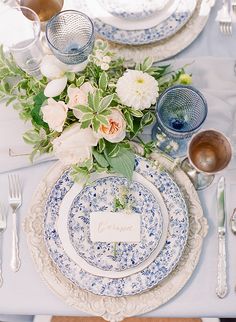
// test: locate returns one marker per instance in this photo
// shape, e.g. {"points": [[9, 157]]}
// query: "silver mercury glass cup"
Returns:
{"points": [[209, 152]]}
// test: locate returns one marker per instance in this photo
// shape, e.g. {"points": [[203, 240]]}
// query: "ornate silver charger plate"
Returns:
{"points": [[151, 275], [115, 309], [163, 30]]}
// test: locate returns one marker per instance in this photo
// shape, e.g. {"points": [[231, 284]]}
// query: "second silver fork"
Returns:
{"points": [[15, 201], [3, 226], [224, 18]]}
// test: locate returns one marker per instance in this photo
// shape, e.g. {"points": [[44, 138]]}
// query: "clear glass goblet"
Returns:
{"points": [[70, 36], [181, 111], [209, 152], [22, 37]]}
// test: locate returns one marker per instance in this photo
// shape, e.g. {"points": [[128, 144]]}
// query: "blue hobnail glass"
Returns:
{"points": [[70, 36], [181, 111]]}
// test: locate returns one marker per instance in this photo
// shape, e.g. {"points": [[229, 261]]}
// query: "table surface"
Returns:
{"points": [[25, 293]]}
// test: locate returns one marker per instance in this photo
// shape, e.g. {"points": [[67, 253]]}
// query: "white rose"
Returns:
{"points": [[52, 68], [55, 87], [74, 145], [55, 114], [115, 131], [76, 97], [104, 66]]}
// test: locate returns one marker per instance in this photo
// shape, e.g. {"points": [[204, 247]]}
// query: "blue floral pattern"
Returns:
{"points": [[100, 196], [164, 29], [137, 10], [150, 276]]}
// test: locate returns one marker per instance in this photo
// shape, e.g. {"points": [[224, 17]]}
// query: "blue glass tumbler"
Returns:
{"points": [[181, 111], [70, 36]]}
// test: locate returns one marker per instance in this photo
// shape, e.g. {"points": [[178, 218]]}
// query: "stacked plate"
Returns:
{"points": [[119, 269], [137, 22]]}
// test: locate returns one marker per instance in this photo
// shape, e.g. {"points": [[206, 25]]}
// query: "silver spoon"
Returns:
{"points": [[233, 221]]}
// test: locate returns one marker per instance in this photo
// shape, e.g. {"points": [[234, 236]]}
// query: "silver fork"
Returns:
{"points": [[224, 18], [3, 226], [233, 3], [15, 201]]}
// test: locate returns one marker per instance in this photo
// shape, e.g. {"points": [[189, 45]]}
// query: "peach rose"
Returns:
{"points": [[55, 113], [115, 131], [79, 96]]}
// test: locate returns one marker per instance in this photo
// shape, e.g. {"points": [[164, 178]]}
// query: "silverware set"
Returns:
{"points": [[15, 201]]}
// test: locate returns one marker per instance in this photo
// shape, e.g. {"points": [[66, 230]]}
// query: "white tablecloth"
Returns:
{"points": [[25, 293]]}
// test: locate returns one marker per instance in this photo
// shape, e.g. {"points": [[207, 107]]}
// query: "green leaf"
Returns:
{"points": [[84, 109], [79, 174], [95, 124], [105, 113], [99, 168], [147, 64], [80, 81], [136, 127], [87, 117], [31, 137], [101, 145], [112, 149], [105, 102], [147, 119], [123, 163], [102, 119], [136, 113], [88, 164], [90, 100], [10, 100], [39, 99], [103, 81], [85, 124], [35, 113], [70, 76], [96, 100], [129, 120], [101, 160]]}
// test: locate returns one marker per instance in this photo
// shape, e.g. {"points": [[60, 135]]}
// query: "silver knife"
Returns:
{"points": [[221, 289]]}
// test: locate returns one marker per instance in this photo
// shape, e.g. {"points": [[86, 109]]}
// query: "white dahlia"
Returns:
{"points": [[137, 89]]}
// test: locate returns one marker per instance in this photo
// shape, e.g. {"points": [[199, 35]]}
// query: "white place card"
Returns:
{"points": [[114, 227]]}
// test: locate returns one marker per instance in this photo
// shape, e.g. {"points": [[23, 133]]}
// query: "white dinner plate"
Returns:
{"points": [[98, 12]]}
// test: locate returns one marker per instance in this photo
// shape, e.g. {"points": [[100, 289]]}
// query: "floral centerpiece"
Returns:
{"points": [[88, 119]]}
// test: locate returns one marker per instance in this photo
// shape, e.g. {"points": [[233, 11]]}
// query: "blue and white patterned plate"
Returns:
{"points": [[162, 30], [98, 258], [100, 196], [140, 281], [133, 9]]}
